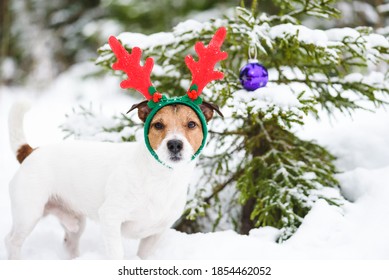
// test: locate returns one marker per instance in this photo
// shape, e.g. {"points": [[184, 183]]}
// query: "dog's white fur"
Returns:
{"points": [[15, 124], [120, 185]]}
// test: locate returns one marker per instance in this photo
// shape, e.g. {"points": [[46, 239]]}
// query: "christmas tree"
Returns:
{"points": [[256, 170]]}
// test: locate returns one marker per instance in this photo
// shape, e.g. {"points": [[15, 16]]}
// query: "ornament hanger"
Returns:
{"points": [[252, 50]]}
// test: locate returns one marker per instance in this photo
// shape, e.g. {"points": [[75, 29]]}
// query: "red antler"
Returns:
{"points": [[202, 71], [138, 76]]}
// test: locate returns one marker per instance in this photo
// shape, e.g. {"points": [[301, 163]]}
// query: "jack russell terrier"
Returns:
{"points": [[136, 190]]}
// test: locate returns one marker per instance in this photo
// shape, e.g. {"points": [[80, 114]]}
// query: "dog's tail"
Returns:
{"points": [[16, 132]]}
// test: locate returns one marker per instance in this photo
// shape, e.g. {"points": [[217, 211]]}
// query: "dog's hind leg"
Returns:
{"points": [[24, 221], [15, 239], [72, 238], [72, 222], [28, 196]]}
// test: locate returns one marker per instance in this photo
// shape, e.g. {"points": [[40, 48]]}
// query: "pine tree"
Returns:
{"points": [[256, 170]]}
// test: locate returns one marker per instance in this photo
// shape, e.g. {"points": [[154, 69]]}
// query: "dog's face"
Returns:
{"points": [[175, 132]]}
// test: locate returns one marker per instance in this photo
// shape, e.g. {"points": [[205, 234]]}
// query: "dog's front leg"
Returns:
{"points": [[116, 209], [111, 222], [148, 245]]}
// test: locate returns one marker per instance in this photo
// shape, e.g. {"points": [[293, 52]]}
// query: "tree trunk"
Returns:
{"points": [[259, 149], [246, 223]]}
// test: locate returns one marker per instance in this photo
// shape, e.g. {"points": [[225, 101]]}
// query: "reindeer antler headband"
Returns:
{"points": [[202, 73]]}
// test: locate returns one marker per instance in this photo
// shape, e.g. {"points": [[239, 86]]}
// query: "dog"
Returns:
{"points": [[120, 185]]}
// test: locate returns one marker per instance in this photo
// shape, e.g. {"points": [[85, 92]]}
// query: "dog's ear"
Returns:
{"points": [[208, 108], [143, 109]]}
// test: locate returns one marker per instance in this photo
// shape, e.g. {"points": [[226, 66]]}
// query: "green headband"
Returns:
{"points": [[164, 101]]}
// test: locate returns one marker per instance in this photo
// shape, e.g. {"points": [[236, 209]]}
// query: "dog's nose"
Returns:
{"points": [[175, 146]]}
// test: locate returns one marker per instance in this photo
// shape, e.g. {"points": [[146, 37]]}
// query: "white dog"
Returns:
{"points": [[120, 185]]}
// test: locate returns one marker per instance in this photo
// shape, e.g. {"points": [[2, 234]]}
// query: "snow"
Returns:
{"points": [[377, 40], [184, 29], [358, 230], [131, 39], [330, 41], [143, 41], [189, 25], [260, 99], [339, 34], [7, 68], [368, 11], [101, 28], [384, 8], [305, 34]]}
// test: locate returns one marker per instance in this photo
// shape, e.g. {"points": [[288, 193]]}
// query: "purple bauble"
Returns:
{"points": [[253, 76]]}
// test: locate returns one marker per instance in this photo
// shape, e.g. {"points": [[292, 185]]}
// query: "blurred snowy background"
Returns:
{"points": [[47, 56]]}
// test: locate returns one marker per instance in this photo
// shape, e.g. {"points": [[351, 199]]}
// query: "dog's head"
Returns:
{"points": [[175, 132], [175, 128]]}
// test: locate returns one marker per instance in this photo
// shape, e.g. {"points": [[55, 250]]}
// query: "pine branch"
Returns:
{"points": [[218, 188]]}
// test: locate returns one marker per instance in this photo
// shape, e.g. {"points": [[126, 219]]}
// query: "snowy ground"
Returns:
{"points": [[360, 231]]}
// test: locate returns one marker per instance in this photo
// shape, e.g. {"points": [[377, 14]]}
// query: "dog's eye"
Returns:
{"points": [[192, 124], [158, 126]]}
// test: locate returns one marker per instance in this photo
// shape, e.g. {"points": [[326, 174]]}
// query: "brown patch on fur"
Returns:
{"points": [[23, 152], [175, 118]]}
